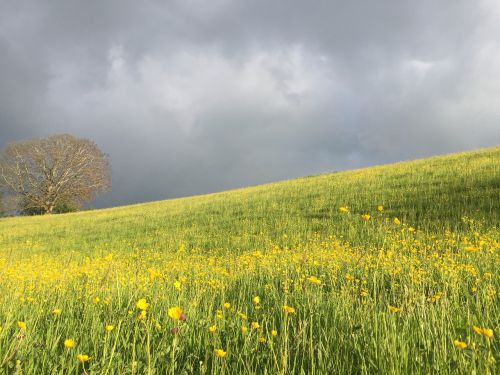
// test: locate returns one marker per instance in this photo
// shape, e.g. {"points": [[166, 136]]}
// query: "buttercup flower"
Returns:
{"points": [[220, 353], [82, 357], [176, 313], [483, 331], [314, 280], [142, 304], [488, 332], [460, 344], [69, 343]]}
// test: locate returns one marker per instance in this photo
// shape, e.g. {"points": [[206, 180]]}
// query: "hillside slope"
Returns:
{"points": [[271, 279], [430, 194]]}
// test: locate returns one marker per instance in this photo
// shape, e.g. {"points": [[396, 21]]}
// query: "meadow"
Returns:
{"points": [[384, 270]]}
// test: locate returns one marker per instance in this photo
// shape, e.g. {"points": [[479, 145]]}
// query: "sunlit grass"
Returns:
{"points": [[392, 269]]}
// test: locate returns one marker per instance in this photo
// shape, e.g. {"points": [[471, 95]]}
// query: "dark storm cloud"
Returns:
{"points": [[191, 96]]}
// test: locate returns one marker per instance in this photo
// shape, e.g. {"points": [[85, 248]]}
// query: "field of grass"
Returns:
{"points": [[388, 270]]}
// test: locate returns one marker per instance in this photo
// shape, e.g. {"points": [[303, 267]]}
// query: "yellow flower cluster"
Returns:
{"points": [[280, 289]]}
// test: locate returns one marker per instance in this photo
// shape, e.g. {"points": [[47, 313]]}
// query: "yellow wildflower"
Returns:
{"points": [[21, 325], [380, 208], [57, 311], [396, 221], [274, 332], [478, 330], [314, 280], [212, 329], [343, 210], [175, 313], [365, 217], [244, 329], [227, 305], [488, 332], [153, 274], [109, 328], [460, 344], [82, 357], [288, 309], [69, 343], [220, 353], [483, 331], [255, 325], [142, 304]]}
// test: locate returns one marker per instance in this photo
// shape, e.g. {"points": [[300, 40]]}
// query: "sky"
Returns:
{"points": [[195, 96]]}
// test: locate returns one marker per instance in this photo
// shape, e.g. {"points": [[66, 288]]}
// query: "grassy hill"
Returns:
{"points": [[431, 194], [383, 270]]}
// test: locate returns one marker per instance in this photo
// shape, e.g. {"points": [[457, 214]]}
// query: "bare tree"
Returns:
{"points": [[59, 170]]}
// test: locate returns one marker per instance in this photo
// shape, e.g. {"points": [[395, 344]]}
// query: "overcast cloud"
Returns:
{"points": [[194, 96]]}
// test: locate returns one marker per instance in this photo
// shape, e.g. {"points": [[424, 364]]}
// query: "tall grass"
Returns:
{"points": [[344, 295]]}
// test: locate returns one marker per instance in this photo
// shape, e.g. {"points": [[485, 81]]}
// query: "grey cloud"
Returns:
{"points": [[189, 96]]}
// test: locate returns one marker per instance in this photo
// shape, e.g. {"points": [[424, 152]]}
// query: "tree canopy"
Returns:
{"points": [[53, 174]]}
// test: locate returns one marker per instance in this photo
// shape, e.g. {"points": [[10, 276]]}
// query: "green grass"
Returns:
{"points": [[433, 194], [285, 242]]}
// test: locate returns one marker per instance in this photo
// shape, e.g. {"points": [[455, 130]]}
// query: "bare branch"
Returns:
{"points": [[58, 170]]}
